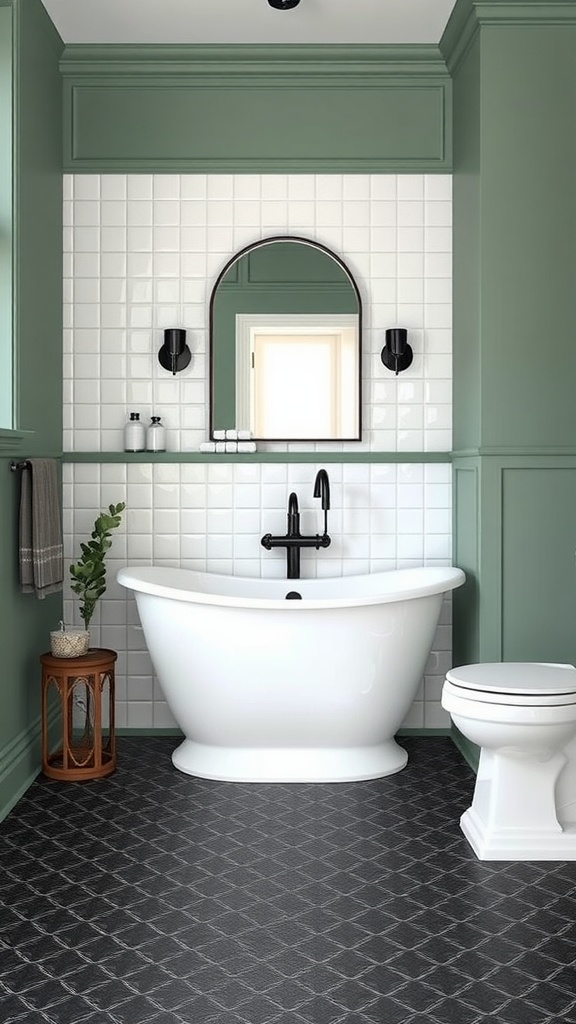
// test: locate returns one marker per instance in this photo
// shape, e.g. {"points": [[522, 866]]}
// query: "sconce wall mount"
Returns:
{"points": [[397, 354], [174, 354]]}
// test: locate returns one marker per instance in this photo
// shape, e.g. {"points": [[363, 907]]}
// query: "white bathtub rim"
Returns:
{"points": [[398, 585]]}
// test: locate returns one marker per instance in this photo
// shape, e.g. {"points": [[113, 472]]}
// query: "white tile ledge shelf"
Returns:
{"points": [[268, 456]]}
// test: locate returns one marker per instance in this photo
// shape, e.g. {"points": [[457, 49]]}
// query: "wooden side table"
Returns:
{"points": [[78, 698]]}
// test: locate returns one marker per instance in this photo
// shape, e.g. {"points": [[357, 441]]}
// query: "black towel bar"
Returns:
{"points": [[18, 465]]}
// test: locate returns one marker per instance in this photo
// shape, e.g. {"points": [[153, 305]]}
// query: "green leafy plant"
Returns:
{"points": [[89, 573]]}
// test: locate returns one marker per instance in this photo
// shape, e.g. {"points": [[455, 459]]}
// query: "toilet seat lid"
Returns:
{"points": [[516, 678]]}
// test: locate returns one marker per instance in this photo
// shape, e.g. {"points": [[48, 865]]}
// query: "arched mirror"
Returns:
{"points": [[285, 341]]}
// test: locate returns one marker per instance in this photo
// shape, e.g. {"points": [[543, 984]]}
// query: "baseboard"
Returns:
{"points": [[470, 752], [150, 732], [443, 731], [20, 760], [20, 763]]}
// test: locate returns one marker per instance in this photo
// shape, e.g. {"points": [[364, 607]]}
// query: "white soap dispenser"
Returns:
{"points": [[156, 436], [134, 434]]}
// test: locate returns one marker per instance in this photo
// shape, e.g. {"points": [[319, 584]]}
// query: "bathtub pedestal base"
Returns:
{"points": [[262, 764]]}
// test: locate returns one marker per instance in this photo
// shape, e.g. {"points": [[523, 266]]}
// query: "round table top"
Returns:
{"points": [[95, 656]]}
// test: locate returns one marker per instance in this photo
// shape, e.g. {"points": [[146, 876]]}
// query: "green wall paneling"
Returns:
{"points": [[470, 752], [25, 622], [539, 562], [528, 237], [268, 108], [515, 537], [465, 599], [6, 411], [514, 161], [514, 165], [38, 227], [25, 625], [467, 284]]}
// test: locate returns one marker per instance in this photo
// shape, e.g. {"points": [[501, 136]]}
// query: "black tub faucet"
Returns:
{"points": [[293, 540]]}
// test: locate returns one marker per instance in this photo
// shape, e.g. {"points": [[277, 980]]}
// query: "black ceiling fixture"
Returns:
{"points": [[283, 5]]}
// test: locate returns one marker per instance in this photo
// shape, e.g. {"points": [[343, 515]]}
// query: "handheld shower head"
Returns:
{"points": [[322, 488]]}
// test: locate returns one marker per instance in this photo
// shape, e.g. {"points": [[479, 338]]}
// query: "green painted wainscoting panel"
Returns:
{"points": [[528, 241], [466, 361], [25, 622], [466, 607], [256, 108], [38, 228], [6, 217], [539, 564], [245, 128]]}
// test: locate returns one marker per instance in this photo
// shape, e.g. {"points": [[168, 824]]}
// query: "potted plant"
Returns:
{"points": [[88, 574]]}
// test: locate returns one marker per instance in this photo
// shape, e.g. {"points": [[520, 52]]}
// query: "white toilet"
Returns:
{"points": [[523, 717]]}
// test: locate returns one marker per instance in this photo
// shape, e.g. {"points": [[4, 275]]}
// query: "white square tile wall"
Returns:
{"points": [[141, 253], [211, 517]]}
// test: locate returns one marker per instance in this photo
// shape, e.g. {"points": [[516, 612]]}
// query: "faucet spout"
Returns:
{"points": [[293, 509]]}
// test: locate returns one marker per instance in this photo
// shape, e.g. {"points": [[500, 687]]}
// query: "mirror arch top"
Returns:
{"points": [[285, 338]]}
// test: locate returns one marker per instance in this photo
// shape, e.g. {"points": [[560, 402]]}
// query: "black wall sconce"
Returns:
{"points": [[174, 354], [283, 5], [397, 353]]}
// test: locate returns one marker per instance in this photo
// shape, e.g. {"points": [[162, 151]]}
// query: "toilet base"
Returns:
{"points": [[517, 843]]}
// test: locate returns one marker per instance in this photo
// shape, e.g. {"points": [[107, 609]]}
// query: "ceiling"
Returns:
{"points": [[249, 21]]}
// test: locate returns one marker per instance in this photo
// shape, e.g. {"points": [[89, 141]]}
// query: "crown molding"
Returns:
{"points": [[212, 64], [469, 16]]}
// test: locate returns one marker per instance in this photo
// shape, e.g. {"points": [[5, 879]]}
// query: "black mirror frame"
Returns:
{"points": [[234, 259]]}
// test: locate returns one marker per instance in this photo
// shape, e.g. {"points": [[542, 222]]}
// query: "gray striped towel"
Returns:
{"points": [[41, 552]]}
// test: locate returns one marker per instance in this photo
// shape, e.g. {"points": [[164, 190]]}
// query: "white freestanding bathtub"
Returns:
{"points": [[270, 689]]}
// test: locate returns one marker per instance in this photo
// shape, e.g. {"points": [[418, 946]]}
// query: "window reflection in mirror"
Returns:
{"points": [[285, 330]]}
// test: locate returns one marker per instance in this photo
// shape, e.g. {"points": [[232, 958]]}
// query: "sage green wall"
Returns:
{"points": [[5, 217], [528, 241], [256, 108], [37, 298], [514, 81], [467, 282]]}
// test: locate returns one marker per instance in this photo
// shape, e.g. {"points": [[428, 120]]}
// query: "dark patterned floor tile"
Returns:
{"points": [[288, 994], [321, 1010], [319, 979], [258, 1010], [452, 1011], [14, 1009], [146, 979], [552, 1000], [156, 898], [137, 1010], [518, 1011], [73, 1010], [385, 1010], [352, 995]]}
